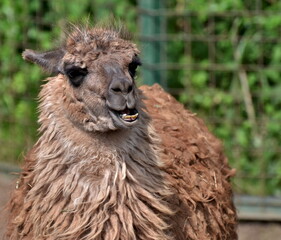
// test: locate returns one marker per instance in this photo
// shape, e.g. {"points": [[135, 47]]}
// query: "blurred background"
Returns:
{"points": [[220, 58]]}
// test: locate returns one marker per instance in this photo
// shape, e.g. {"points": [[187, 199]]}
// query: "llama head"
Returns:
{"points": [[98, 67]]}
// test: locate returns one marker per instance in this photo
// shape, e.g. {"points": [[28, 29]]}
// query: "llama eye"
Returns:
{"points": [[133, 68], [76, 75]]}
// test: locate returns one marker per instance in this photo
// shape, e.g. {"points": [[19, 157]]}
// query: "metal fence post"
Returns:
{"points": [[151, 24]]}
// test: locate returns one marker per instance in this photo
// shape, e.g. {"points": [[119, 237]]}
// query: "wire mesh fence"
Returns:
{"points": [[222, 61]]}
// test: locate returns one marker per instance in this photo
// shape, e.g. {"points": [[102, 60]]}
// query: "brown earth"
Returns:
{"points": [[7, 182]]}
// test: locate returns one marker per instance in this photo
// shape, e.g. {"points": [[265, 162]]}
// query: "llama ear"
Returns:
{"points": [[49, 61]]}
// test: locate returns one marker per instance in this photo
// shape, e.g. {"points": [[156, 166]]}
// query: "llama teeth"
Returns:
{"points": [[127, 117]]}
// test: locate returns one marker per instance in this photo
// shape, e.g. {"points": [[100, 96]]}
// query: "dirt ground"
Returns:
{"points": [[6, 184], [246, 230]]}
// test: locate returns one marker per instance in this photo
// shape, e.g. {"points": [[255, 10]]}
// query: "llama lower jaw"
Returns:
{"points": [[129, 115], [126, 117]]}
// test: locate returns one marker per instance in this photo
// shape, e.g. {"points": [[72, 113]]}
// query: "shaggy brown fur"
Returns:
{"points": [[197, 170], [91, 176]]}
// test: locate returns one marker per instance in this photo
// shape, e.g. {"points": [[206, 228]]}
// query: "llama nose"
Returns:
{"points": [[121, 85], [121, 94]]}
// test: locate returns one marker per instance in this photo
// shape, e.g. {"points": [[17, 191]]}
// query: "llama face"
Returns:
{"points": [[106, 87], [98, 67]]}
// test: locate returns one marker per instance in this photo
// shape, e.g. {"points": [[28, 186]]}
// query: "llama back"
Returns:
{"points": [[197, 168]]}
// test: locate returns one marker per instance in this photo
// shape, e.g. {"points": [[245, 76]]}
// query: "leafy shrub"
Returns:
{"points": [[232, 80]]}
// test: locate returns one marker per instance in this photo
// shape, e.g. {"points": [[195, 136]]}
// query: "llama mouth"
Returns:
{"points": [[125, 118], [128, 115]]}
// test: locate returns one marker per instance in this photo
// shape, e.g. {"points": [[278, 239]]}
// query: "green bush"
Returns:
{"points": [[239, 99]]}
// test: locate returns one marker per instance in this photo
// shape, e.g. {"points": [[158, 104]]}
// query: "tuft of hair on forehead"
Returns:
{"points": [[105, 30], [116, 26]]}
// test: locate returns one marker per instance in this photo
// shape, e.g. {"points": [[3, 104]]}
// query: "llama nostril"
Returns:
{"points": [[122, 89], [130, 88], [121, 85]]}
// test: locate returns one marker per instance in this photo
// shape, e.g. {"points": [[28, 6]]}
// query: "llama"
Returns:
{"points": [[114, 162]]}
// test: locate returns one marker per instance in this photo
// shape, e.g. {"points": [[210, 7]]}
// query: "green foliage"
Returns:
{"points": [[212, 82]]}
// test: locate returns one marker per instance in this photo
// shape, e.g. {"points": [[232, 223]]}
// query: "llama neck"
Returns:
{"points": [[103, 186], [95, 153], [62, 139], [109, 184]]}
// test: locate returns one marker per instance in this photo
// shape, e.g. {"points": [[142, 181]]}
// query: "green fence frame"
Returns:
{"points": [[153, 52]]}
